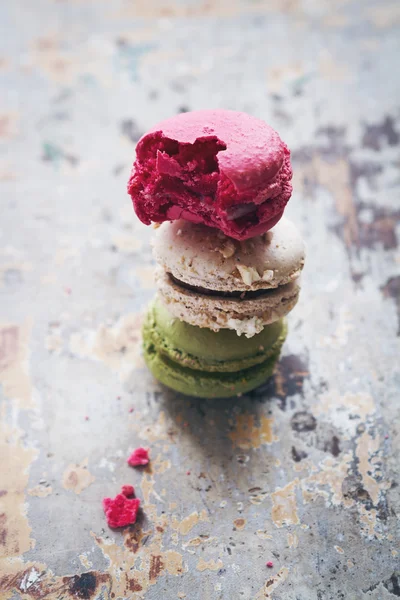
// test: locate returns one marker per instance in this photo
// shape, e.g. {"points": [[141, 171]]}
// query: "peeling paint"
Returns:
{"points": [[85, 562], [331, 476], [210, 565], [367, 446], [272, 584], [15, 531], [14, 363], [40, 490], [246, 434], [156, 432], [284, 508], [77, 477], [186, 525], [117, 346]]}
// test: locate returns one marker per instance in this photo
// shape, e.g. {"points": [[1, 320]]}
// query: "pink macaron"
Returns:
{"points": [[223, 168]]}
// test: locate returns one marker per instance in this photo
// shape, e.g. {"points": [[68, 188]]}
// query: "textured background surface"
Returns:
{"points": [[304, 472]]}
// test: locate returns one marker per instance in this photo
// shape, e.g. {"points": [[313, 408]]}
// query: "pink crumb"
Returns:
{"points": [[270, 564], [187, 472], [86, 418], [128, 490], [139, 457], [386, 436], [68, 290], [120, 511], [131, 410]]}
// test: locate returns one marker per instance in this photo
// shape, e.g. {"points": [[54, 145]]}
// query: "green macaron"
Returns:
{"points": [[204, 363]]}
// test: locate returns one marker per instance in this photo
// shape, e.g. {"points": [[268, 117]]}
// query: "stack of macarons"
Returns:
{"points": [[216, 183]]}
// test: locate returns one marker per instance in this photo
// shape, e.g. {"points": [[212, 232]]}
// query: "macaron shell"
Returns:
{"points": [[247, 317], [204, 350], [205, 257], [254, 151], [208, 385]]}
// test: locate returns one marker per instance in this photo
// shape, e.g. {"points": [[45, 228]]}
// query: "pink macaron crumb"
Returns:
{"points": [[128, 490], [139, 457], [121, 511]]}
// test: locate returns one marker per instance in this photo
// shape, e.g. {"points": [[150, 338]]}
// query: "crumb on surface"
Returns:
{"points": [[128, 490], [139, 457], [120, 511]]}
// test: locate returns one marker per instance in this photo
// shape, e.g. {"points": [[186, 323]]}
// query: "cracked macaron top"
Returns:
{"points": [[205, 258], [222, 168]]}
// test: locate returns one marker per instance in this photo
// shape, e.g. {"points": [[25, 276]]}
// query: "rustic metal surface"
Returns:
{"points": [[303, 473]]}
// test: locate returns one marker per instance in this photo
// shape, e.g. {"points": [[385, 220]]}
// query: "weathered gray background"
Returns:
{"points": [[304, 472]]}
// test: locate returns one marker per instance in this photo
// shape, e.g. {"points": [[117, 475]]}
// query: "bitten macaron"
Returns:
{"points": [[223, 168], [213, 281]]}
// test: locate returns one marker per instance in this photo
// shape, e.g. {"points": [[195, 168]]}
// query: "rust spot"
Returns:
{"points": [[135, 538], [134, 586], [303, 421], [376, 133], [160, 529], [239, 523], [84, 586], [15, 582], [156, 566]]}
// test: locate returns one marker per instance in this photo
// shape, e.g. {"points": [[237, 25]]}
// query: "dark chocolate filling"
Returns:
{"points": [[242, 295]]}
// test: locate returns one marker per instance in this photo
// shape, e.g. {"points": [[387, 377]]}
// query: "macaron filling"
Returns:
{"points": [[241, 295]]}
